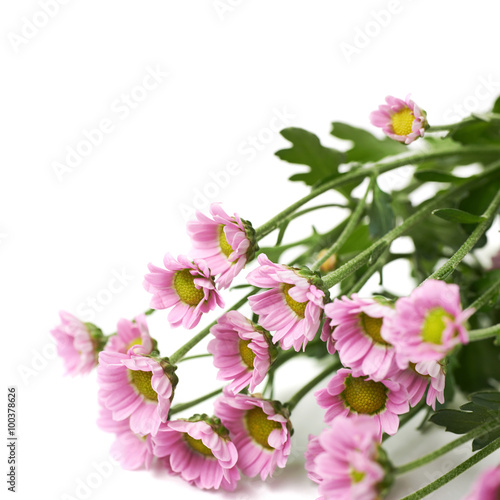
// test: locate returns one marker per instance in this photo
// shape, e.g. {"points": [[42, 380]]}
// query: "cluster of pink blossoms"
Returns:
{"points": [[391, 355], [190, 285], [136, 387]]}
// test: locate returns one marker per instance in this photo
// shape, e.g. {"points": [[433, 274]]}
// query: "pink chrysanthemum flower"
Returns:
{"points": [[349, 394], [357, 325], [260, 429], [243, 352], [293, 306], [130, 334], [200, 451], [78, 344], [416, 378], [133, 451], [487, 485], [327, 336], [137, 387], [401, 120], [225, 243], [187, 287], [347, 462], [428, 324]]}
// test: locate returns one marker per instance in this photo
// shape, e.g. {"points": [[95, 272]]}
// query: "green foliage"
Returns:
{"points": [[482, 410], [307, 150], [365, 146], [478, 366], [455, 215], [430, 175], [381, 214]]}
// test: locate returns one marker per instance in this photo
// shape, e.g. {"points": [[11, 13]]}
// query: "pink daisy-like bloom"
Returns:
{"points": [[186, 286], [200, 451], [260, 429], [401, 120], [130, 334], [243, 352], [357, 325], [293, 306], [349, 393], [327, 336], [487, 485], [428, 324], [225, 243], [131, 450], [416, 379], [136, 387], [346, 461], [78, 344]]}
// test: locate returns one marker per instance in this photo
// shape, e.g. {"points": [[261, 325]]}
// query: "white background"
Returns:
{"points": [[63, 237]]}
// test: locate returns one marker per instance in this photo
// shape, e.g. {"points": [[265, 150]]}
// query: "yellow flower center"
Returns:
{"points": [[186, 289], [142, 381], [247, 355], [259, 427], [298, 308], [364, 396], [434, 325], [371, 327], [197, 445], [137, 341], [225, 247], [357, 476], [402, 121]]}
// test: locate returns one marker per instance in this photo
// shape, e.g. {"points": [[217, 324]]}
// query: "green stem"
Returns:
{"points": [[189, 358], [359, 174], [377, 265], [310, 385], [414, 464], [484, 333], [446, 478], [375, 250], [180, 353], [351, 225], [185, 406], [485, 298], [492, 117], [445, 270]]}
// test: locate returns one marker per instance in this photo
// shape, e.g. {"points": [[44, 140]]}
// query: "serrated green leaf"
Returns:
{"points": [[456, 215], [307, 150], [482, 410], [437, 176], [366, 147], [381, 215]]}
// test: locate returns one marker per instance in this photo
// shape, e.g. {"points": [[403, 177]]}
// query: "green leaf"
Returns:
{"points": [[482, 410], [455, 215], [307, 150], [478, 366], [381, 214], [358, 241], [437, 176], [366, 147]]}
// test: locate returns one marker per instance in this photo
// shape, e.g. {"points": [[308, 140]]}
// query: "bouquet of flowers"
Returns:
{"points": [[381, 359]]}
